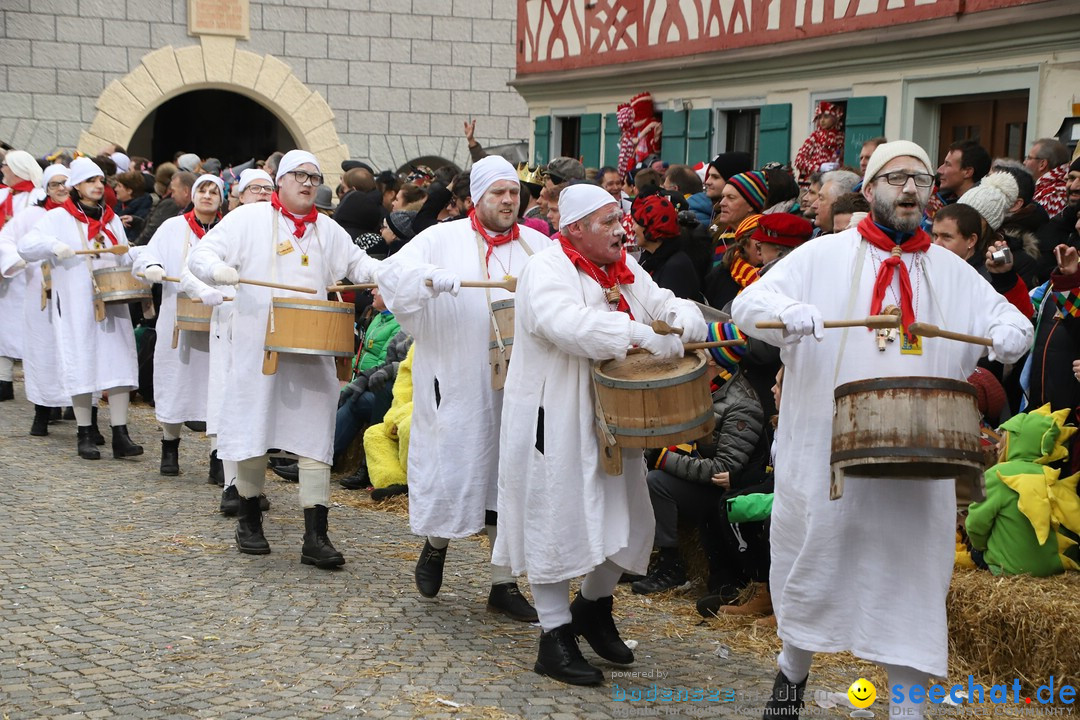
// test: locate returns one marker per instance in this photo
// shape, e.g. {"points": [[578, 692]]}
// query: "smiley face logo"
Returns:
{"points": [[862, 693]]}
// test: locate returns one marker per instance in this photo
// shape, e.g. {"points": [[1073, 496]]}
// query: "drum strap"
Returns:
{"points": [[860, 261], [481, 247]]}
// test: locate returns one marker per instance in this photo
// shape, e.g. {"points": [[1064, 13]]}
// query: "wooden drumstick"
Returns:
{"points": [[197, 301], [695, 346], [165, 278], [885, 322], [358, 286], [279, 286], [114, 250], [928, 330], [662, 328], [510, 284]]}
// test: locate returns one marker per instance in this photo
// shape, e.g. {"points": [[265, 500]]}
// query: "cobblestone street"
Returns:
{"points": [[123, 596]]}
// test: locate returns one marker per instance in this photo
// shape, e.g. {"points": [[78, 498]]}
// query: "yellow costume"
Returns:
{"points": [[386, 445]]}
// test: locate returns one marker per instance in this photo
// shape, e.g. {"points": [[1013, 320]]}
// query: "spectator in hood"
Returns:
{"points": [[660, 239], [398, 229]]}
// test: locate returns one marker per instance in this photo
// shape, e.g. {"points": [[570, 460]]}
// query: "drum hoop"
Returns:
{"points": [[193, 319], [138, 294], [913, 383], [908, 453], [507, 342], [502, 304], [306, 351], [648, 384], [318, 308], [664, 430], [118, 268]]}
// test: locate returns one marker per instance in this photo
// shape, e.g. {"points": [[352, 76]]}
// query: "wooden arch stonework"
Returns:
{"points": [[216, 64]]}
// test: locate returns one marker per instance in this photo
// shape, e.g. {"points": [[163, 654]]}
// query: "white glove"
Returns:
{"points": [[801, 319], [62, 251], [211, 297], [225, 275], [1009, 343], [693, 326], [443, 281], [18, 266], [154, 273], [662, 346]]}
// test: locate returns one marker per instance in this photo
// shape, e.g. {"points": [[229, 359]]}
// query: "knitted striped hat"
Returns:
{"points": [[726, 357], [753, 187]]}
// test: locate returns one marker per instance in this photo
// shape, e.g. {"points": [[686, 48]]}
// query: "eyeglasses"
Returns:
{"points": [[1033, 157], [55, 185], [302, 177], [266, 189], [900, 178]]}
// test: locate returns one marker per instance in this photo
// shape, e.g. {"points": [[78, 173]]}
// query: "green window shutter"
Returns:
{"points": [[673, 138], [865, 119], [699, 131], [589, 140], [774, 134], [612, 136], [542, 139]]}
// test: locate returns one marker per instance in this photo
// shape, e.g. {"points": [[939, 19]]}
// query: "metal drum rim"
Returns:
{"points": [[910, 382], [610, 382], [317, 308], [502, 304], [664, 430], [306, 351]]}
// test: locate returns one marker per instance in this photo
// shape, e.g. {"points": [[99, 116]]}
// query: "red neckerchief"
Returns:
{"points": [[617, 273], [96, 227], [492, 241], [51, 204], [299, 223], [7, 209], [196, 228], [919, 242]]}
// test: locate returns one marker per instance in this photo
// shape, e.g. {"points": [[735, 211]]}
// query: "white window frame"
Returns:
{"points": [[720, 108], [556, 126]]}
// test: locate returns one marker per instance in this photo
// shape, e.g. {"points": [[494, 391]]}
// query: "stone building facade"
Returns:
{"points": [[388, 81]]}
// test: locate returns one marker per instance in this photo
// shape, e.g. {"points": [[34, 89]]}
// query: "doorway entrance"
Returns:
{"points": [[211, 123], [997, 122]]}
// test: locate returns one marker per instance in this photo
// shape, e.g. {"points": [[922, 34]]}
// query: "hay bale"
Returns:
{"points": [[1002, 628]]}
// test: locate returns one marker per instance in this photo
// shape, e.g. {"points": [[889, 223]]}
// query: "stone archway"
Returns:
{"points": [[216, 63]]}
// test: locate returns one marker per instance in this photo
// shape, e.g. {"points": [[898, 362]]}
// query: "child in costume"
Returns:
{"points": [[825, 144]]}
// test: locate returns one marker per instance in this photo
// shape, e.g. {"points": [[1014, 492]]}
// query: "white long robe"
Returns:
{"points": [[560, 514], [868, 572], [13, 282], [220, 347], [181, 374], [39, 337], [92, 355], [454, 447], [293, 409]]}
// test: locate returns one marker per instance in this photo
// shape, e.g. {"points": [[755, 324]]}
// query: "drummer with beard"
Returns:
{"points": [[454, 445], [561, 514], [293, 409], [868, 572], [94, 356], [181, 366]]}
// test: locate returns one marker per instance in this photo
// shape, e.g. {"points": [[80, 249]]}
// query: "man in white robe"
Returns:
{"points": [[39, 342], [454, 447], [95, 356], [22, 175], [869, 572], [561, 514], [284, 241], [181, 357]]}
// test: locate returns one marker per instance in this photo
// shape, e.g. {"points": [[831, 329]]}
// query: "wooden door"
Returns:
{"points": [[998, 123]]}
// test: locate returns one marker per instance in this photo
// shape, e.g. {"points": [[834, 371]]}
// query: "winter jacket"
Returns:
{"points": [[671, 268], [1057, 344], [1021, 232], [377, 338], [1060, 229], [702, 207], [736, 443]]}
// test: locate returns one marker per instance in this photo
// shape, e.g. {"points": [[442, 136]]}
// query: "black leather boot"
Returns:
{"points": [[95, 432], [217, 471], [318, 550], [170, 457], [506, 598], [429, 570], [58, 414], [122, 446], [592, 620], [560, 658], [230, 502], [786, 700], [87, 449], [7, 390], [357, 481], [249, 532], [668, 573], [40, 426]]}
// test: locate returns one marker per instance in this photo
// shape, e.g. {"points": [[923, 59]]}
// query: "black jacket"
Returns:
{"points": [[671, 268]]}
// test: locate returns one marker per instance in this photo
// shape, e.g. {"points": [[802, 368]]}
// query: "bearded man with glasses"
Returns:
{"points": [[283, 241], [868, 572]]}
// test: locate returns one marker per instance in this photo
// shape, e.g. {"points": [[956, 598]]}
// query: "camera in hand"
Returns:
{"points": [[1002, 256]]}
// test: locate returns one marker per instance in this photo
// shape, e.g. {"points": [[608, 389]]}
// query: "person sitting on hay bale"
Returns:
{"points": [[386, 444], [1015, 531]]}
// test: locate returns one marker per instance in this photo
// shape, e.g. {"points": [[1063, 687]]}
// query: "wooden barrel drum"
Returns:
{"points": [[118, 285], [192, 316], [647, 402], [907, 427], [502, 318], [304, 326]]}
